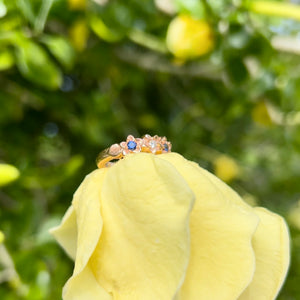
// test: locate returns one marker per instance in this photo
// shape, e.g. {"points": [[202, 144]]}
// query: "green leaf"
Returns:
{"points": [[194, 8], [6, 60], [73, 165], [2, 237], [276, 8], [61, 49], [100, 29], [10, 23], [35, 65], [237, 70], [148, 41]]}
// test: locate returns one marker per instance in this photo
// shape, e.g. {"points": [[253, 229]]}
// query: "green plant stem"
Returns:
{"points": [[147, 40], [42, 16], [26, 9]]}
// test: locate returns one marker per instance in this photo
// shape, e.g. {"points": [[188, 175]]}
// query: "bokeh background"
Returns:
{"points": [[219, 78]]}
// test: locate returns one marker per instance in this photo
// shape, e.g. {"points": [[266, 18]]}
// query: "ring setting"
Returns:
{"points": [[149, 144]]}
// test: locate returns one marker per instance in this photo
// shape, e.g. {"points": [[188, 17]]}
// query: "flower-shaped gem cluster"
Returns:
{"points": [[132, 145], [155, 145]]}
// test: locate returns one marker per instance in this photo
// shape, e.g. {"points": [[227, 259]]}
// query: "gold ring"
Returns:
{"points": [[148, 144]]}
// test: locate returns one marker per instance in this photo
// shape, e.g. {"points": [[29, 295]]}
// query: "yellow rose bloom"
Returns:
{"points": [[161, 227], [188, 37]]}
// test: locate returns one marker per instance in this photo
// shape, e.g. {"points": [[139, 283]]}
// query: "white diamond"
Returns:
{"points": [[152, 144]]}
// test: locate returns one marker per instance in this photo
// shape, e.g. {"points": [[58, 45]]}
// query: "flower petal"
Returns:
{"points": [[89, 220], [86, 203], [222, 260], [85, 286], [271, 246], [66, 232], [144, 249]]}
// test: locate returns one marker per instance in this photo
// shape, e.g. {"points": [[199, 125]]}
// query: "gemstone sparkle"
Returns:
{"points": [[152, 144], [131, 145]]}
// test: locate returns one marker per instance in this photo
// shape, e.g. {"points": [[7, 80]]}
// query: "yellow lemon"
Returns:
{"points": [[161, 227], [77, 4], [79, 34], [189, 38], [8, 173], [226, 168]]}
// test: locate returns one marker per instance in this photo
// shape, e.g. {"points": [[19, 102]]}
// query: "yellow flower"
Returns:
{"points": [[189, 38], [8, 174], [160, 227], [226, 168]]}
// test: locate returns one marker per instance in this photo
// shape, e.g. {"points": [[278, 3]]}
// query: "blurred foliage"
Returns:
{"points": [[77, 76]]}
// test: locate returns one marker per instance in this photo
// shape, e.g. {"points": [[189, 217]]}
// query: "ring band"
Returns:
{"points": [[148, 144]]}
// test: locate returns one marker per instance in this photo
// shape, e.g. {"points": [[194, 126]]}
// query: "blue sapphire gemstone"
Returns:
{"points": [[166, 147], [131, 145]]}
